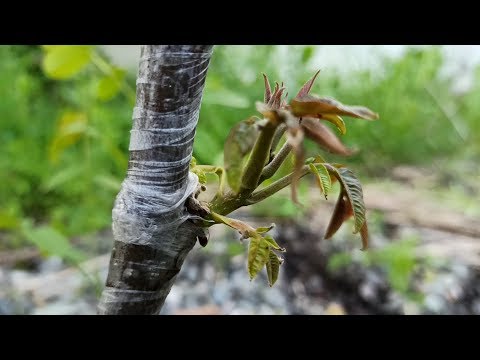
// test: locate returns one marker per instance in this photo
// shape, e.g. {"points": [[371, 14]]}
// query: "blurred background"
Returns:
{"points": [[65, 117]]}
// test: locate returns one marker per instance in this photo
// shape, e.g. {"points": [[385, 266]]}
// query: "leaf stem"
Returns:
{"points": [[275, 164], [275, 187], [258, 158]]}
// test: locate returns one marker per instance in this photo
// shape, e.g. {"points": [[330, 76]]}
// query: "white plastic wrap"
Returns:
{"points": [[149, 215]]}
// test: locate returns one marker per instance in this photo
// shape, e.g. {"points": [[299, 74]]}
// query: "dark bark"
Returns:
{"points": [[152, 234]]}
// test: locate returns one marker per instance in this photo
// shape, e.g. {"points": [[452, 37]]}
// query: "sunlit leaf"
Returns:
{"points": [[238, 145], [307, 86], [273, 267], [258, 252], [337, 121], [353, 190], [322, 178], [314, 106], [64, 61], [323, 136], [109, 86]]}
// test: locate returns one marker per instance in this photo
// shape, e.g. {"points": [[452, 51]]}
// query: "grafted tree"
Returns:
{"points": [[157, 217], [151, 224]]}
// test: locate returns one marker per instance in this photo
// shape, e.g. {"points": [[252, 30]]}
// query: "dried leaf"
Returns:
{"points": [[307, 86], [324, 137], [238, 145], [314, 106]]}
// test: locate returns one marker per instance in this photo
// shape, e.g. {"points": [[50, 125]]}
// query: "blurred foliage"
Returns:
{"points": [[66, 116], [399, 260], [64, 148]]}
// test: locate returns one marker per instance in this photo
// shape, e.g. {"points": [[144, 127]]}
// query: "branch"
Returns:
{"points": [[275, 164], [258, 158], [275, 187]]}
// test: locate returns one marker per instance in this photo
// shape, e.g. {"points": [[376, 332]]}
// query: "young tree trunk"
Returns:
{"points": [[152, 234]]}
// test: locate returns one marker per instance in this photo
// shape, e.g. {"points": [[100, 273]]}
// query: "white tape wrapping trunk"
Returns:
{"points": [[150, 228]]}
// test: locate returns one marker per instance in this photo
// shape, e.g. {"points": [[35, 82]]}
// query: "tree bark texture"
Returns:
{"points": [[152, 234]]}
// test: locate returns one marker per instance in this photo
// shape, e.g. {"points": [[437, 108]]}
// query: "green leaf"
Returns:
{"points": [[239, 143], [273, 267], [262, 230], [8, 221], [335, 120], [109, 86], [322, 177], [50, 242], [258, 251], [64, 61], [107, 181], [243, 228], [314, 106], [71, 126], [193, 162], [271, 242], [353, 190], [63, 177]]}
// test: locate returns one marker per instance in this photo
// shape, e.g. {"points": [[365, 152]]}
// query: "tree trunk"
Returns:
{"points": [[152, 234]]}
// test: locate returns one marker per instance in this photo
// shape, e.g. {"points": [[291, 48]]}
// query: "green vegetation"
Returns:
{"points": [[66, 116]]}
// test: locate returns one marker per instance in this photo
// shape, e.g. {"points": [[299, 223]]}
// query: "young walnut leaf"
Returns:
{"points": [[239, 143], [268, 90], [335, 120], [340, 214], [322, 177], [352, 204], [322, 135], [265, 229], [273, 267], [314, 106], [364, 235], [258, 251], [307, 86], [272, 243]]}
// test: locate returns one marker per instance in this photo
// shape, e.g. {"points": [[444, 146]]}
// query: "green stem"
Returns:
{"points": [[278, 136], [258, 158], [275, 164], [275, 187]]}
